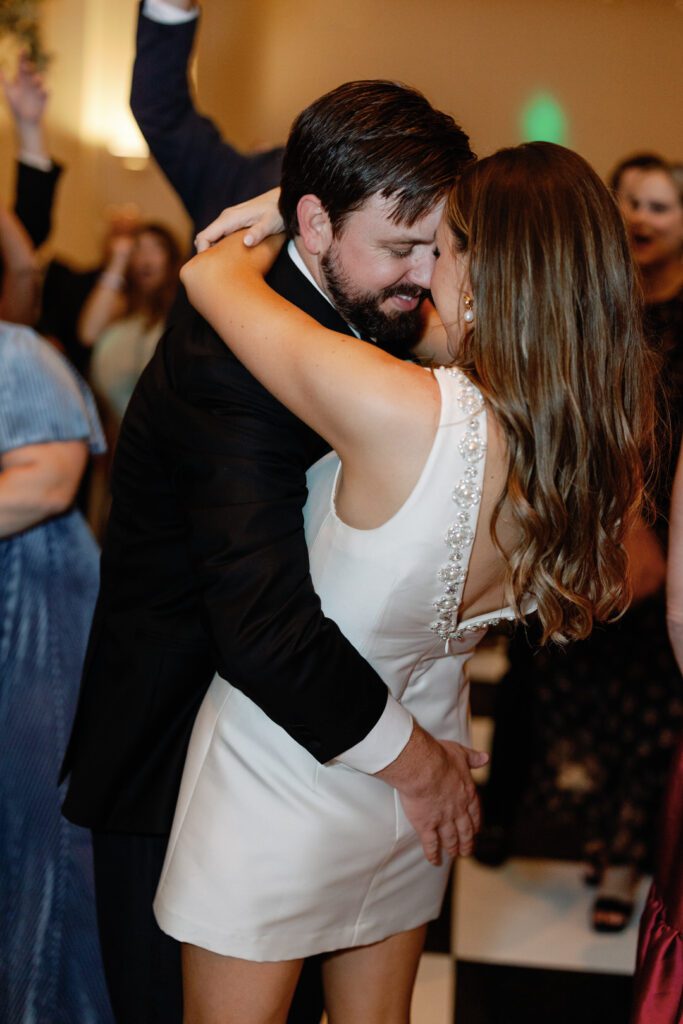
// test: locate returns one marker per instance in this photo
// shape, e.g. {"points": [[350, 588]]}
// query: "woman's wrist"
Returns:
{"points": [[112, 280], [31, 142]]}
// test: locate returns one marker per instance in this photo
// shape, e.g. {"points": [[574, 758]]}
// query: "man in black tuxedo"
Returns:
{"points": [[205, 567]]}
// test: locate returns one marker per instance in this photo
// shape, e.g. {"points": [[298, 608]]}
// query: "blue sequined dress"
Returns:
{"points": [[50, 967]]}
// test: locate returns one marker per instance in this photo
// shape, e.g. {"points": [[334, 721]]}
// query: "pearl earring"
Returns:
{"points": [[468, 315]]}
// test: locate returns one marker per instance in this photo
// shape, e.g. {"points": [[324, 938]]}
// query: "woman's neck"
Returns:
{"points": [[661, 282]]}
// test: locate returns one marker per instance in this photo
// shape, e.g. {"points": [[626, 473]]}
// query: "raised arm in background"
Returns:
{"points": [[19, 292], [37, 173], [107, 301], [206, 171]]}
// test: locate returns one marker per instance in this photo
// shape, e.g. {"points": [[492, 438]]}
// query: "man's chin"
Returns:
{"points": [[398, 334]]}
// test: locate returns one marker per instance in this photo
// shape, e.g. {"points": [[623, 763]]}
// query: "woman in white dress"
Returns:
{"points": [[457, 497]]}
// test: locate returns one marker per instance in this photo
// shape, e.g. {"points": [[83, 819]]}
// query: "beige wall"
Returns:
{"points": [[614, 66]]}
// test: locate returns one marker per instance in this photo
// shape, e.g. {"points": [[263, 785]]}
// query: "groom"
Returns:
{"points": [[205, 566]]}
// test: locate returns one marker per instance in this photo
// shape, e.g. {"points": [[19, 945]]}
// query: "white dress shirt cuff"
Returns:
{"points": [[167, 14], [40, 163], [383, 743]]}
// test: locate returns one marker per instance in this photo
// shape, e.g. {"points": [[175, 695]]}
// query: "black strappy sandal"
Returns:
{"points": [[613, 905]]}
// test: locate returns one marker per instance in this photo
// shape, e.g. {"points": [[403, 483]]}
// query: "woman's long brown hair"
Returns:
{"points": [[156, 306], [558, 353]]}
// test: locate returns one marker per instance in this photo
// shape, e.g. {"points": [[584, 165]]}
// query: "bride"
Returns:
{"points": [[458, 496]]}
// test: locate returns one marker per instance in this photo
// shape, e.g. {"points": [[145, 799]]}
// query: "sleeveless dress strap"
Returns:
{"points": [[466, 495]]}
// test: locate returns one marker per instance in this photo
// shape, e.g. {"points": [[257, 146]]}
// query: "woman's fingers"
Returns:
{"points": [[261, 216]]}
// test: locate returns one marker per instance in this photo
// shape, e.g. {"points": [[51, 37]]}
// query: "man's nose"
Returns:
{"points": [[422, 269]]}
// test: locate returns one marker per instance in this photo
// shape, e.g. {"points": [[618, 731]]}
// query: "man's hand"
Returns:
{"points": [[434, 781]]}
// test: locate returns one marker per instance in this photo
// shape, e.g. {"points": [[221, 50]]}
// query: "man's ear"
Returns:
{"points": [[315, 228]]}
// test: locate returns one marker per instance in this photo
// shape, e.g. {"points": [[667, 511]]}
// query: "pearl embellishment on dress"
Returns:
{"points": [[460, 535]]}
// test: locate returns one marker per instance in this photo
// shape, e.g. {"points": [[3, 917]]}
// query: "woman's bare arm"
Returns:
{"points": [[260, 215], [20, 285], [360, 399], [107, 301], [39, 481]]}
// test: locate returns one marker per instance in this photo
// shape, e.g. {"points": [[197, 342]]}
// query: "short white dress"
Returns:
{"points": [[274, 856]]}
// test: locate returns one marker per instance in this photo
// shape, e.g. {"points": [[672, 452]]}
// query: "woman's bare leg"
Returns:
{"points": [[225, 990], [373, 984]]}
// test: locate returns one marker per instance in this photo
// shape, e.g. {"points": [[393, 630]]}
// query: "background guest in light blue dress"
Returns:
{"points": [[50, 968]]}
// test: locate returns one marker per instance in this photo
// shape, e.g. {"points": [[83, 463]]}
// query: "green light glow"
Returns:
{"points": [[543, 120]]}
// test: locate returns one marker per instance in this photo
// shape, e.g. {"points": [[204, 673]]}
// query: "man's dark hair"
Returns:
{"points": [[367, 138], [641, 161]]}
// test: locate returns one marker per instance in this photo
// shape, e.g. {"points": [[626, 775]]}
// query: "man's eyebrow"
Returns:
{"points": [[409, 240]]}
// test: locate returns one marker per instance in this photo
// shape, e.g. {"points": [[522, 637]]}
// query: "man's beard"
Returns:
{"points": [[396, 333]]}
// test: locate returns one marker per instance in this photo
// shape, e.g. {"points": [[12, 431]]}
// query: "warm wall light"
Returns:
{"points": [[108, 41], [125, 141]]}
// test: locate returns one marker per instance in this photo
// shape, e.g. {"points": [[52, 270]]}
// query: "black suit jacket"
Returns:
{"points": [[205, 567], [34, 199], [206, 171]]}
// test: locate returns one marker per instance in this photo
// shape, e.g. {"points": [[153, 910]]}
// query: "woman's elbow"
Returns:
{"points": [[85, 333], [65, 478], [202, 275], [59, 498], [189, 273]]}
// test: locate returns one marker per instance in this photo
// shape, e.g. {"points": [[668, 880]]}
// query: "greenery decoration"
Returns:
{"points": [[20, 20]]}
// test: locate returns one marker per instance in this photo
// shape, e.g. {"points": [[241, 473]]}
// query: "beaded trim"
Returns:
{"points": [[460, 535]]}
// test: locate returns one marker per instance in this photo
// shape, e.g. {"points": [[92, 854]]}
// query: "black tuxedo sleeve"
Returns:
{"points": [[204, 169], [35, 190], [243, 486]]}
